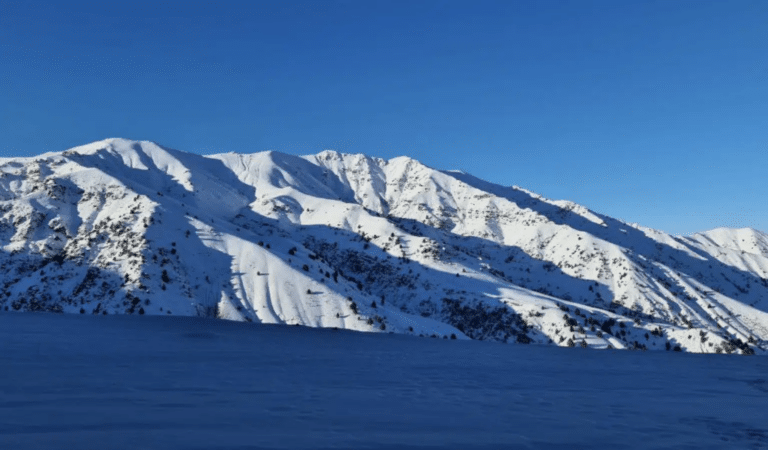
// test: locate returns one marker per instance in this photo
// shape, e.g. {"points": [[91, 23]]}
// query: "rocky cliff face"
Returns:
{"points": [[350, 241]]}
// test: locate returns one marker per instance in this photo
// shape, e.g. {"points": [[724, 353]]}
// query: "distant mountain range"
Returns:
{"points": [[362, 243]]}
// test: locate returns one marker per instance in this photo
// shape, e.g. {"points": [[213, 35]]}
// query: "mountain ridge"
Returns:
{"points": [[358, 242]]}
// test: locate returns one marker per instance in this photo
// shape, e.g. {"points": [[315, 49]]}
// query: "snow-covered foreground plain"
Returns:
{"points": [[111, 382]]}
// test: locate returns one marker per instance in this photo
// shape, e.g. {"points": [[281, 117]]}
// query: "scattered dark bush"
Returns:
{"points": [[606, 326]]}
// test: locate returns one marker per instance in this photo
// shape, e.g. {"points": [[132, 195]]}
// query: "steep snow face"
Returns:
{"points": [[351, 241], [744, 240], [362, 175]]}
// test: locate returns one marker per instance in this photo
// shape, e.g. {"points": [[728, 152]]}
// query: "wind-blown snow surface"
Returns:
{"points": [[354, 242], [122, 382]]}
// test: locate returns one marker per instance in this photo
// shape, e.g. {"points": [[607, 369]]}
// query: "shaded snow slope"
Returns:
{"points": [[362, 243], [191, 383]]}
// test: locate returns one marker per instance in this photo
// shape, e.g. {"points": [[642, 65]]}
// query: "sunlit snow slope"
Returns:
{"points": [[350, 241]]}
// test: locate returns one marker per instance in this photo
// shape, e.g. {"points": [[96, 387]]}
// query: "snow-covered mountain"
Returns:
{"points": [[350, 241]]}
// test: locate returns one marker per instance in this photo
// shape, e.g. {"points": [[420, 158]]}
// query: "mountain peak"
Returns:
{"points": [[357, 242]]}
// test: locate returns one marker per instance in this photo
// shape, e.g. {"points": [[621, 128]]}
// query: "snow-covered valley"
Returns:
{"points": [[127, 382], [355, 242]]}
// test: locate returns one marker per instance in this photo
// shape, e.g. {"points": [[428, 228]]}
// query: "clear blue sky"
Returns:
{"points": [[655, 112]]}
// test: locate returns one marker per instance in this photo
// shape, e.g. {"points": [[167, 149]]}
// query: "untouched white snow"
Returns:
{"points": [[361, 243], [127, 382]]}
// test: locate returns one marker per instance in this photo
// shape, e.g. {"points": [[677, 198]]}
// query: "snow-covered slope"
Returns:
{"points": [[350, 241]]}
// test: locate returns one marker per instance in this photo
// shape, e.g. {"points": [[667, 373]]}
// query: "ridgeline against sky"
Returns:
{"points": [[654, 112], [354, 242]]}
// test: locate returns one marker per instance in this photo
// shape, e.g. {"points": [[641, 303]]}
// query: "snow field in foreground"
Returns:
{"points": [[115, 382]]}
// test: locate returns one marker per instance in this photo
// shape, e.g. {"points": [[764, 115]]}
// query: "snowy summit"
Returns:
{"points": [[361, 243]]}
